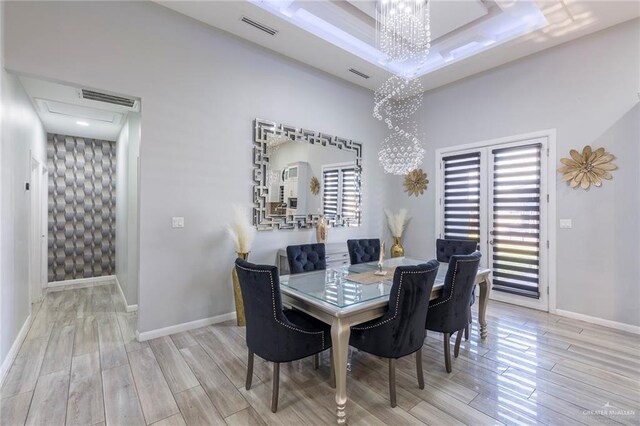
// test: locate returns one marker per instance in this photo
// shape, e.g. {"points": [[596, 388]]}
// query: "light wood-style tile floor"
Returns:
{"points": [[81, 365]]}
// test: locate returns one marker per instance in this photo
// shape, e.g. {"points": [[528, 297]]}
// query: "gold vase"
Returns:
{"points": [[396, 249], [322, 230], [237, 294]]}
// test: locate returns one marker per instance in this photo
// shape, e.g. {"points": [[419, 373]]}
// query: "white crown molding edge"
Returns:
{"points": [[185, 326], [15, 347], [630, 328]]}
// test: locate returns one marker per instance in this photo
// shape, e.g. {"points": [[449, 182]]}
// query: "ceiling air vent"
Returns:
{"points": [[110, 99], [358, 73], [259, 26]]}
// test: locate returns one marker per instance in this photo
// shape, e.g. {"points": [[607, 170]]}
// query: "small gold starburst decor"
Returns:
{"points": [[314, 185], [415, 182], [588, 168]]}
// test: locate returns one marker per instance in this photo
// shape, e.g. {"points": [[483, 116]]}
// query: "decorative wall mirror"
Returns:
{"points": [[285, 162]]}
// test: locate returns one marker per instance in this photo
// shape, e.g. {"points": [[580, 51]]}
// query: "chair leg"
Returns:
{"points": [[316, 361], [447, 352], [332, 374], [276, 385], [466, 329], [456, 349], [392, 381], [247, 384], [419, 369]]}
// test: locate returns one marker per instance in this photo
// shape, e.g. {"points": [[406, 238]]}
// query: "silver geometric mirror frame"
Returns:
{"points": [[262, 130]]}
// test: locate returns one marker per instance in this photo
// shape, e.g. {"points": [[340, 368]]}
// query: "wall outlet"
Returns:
{"points": [[566, 224], [177, 222]]}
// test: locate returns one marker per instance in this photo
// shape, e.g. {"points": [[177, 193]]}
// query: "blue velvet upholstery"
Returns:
{"points": [[363, 251], [306, 258], [449, 247], [400, 331], [450, 312], [273, 334]]}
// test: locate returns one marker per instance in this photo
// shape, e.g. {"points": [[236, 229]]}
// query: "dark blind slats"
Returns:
{"points": [[516, 220], [340, 193], [461, 201]]}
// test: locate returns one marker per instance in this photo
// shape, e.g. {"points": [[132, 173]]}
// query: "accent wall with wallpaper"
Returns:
{"points": [[82, 207]]}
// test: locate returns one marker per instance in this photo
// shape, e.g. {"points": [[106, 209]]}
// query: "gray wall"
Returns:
{"points": [[82, 207], [200, 91], [22, 137], [127, 254], [586, 89]]}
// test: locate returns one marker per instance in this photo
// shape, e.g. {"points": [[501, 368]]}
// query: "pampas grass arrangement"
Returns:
{"points": [[241, 230], [397, 222]]}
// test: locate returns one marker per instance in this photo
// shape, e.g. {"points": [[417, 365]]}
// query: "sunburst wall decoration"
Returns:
{"points": [[314, 186], [588, 168], [415, 182]]}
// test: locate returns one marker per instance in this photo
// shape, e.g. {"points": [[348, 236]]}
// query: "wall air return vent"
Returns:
{"points": [[259, 26], [358, 73], [110, 99]]}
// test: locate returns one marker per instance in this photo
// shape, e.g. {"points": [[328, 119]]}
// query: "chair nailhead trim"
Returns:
{"points": [[395, 313], [453, 282], [273, 303]]}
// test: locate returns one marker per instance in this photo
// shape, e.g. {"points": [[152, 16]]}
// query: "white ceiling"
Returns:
{"points": [[469, 36], [62, 110]]}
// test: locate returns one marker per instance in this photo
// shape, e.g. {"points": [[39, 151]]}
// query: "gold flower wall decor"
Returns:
{"points": [[588, 168], [415, 182], [314, 185]]}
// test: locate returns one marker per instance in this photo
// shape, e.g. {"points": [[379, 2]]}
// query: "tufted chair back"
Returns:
{"points": [[450, 312], [447, 248], [270, 334], [306, 258], [400, 331], [363, 251]]}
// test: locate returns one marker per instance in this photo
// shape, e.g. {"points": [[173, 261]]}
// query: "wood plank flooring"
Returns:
{"points": [[81, 365]]}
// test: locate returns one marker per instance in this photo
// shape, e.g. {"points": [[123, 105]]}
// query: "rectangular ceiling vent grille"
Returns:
{"points": [[110, 99], [259, 26], [358, 73]]}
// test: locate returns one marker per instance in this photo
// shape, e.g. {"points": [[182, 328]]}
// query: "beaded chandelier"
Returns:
{"points": [[403, 34]]}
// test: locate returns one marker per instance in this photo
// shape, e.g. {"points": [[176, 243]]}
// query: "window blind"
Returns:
{"points": [[461, 202], [349, 195], [330, 185], [516, 220]]}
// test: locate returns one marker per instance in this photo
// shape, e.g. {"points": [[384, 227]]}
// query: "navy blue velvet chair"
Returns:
{"points": [[275, 334], [306, 258], [400, 331], [449, 313], [363, 251], [447, 248]]}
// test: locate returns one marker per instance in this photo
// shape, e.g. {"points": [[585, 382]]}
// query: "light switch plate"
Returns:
{"points": [[566, 224], [177, 222]]}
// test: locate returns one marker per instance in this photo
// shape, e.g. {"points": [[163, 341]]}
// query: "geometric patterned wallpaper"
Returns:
{"points": [[82, 207]]}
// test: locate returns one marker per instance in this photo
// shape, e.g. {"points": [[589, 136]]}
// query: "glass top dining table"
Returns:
{"points": [[334, 287]]}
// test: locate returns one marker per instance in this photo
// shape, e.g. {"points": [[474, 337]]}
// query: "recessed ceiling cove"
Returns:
{"points": [[460, 29]]}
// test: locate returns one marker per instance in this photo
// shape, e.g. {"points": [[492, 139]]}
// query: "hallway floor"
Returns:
{"points": [[81, 365]]}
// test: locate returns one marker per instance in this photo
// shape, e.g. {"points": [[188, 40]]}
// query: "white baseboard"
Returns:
{"points": [[166, 331], [599, 321], [13, 352], [128, 308], [81, 281]]}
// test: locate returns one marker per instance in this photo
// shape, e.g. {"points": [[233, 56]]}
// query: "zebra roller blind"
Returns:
{"points": [[516, 219], [340, 195], [461, 202]]}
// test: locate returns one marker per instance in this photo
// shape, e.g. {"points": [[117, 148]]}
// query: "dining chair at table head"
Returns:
{"points": [[306, 258], [400, 331], [363, 250], [449, 312], [272, 333]]}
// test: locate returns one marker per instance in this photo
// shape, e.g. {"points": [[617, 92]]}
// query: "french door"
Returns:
{"points": [[497, 194]]}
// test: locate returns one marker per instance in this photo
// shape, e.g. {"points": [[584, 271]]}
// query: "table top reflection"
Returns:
{"points": [[333, 286]]}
